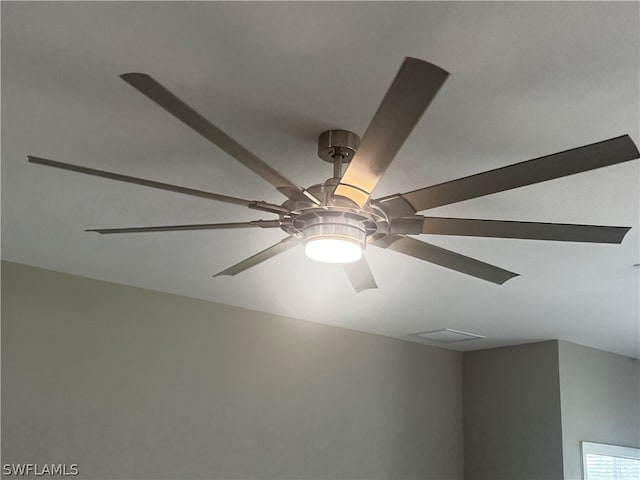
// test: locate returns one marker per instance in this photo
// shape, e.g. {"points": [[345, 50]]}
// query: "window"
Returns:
{"points": [[609, 462]]}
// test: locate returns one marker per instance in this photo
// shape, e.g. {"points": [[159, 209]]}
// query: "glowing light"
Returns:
{"points": [[333, 250]]}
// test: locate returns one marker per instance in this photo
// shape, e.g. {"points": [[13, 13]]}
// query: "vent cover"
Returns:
{"points": [[447, 335]]}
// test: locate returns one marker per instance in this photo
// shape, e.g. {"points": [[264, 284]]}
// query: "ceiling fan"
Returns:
{"points": [[336, 219]]}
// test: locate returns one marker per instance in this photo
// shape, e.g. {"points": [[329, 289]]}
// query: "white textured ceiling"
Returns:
{"points": [[527, 79]]}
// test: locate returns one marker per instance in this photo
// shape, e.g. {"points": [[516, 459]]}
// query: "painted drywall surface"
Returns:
{"points": [[512, 425], [600, 397], [132, 383]]}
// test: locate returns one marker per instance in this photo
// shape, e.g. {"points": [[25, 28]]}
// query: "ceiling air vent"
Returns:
{"points": [[447, 335]]}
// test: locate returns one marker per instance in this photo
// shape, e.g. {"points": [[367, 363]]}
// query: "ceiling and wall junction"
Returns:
{"points": [[527, 79]]}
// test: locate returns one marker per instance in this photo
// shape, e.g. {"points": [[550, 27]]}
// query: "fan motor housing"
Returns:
{"points": [[335, 216], [337, 142]]}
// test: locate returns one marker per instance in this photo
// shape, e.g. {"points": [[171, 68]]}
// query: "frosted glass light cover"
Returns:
{"points": [[332, 250]]}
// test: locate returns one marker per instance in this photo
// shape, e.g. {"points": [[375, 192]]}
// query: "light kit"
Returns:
{"points": [[334, 239]]}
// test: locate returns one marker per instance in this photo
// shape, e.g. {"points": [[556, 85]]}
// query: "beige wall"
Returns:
{"points": [[527, 408], [132, 383], [600, 396], [512, 425]]}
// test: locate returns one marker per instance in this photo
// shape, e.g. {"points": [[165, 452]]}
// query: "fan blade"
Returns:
{"points": [[445, 258], [179, 228], [470, 227], [415, 85], [149, 87], [257, 205], [282, 246], [360, 275], [577, 160]]}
